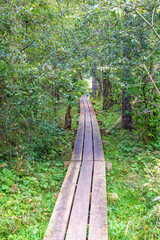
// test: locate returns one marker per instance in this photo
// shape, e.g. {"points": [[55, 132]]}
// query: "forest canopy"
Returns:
{"points": [[49, 47]]}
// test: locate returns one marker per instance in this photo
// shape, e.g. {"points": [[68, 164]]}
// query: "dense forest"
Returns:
{"points": [[49, 52]]}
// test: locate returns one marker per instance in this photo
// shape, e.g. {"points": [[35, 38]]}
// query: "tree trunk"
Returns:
{"points": [[100, 88], [106, 91], [94, 87], [126, 97], [68, 119], [96, 79]]}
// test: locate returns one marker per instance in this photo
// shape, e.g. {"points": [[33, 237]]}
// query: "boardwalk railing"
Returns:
{"points": [[80, 212]]}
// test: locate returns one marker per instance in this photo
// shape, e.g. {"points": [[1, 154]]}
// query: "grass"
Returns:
{"points": [[30, 187], [28, 199], [134, 180]]}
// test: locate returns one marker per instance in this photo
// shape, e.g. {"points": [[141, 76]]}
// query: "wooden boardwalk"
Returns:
{"points": [[80, 212]]}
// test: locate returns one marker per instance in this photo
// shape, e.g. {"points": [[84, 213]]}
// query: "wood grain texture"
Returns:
{"points": [[58, 223], [69, 220], [98, 213], [78, 146], [97, 143], [77, 228], [88, 144]]}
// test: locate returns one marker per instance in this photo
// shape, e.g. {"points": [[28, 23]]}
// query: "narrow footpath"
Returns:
{"points": [[80, 212]]}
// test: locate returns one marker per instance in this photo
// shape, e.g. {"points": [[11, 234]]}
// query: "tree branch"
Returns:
{"points": [[21, 52], [62, 20], [151, 78], [149, 24], [153, 16]]}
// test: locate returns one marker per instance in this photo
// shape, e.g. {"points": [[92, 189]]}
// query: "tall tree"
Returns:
{"points": [[126, 97]]}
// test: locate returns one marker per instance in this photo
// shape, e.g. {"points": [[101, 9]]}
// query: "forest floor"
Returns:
{"points": [[132, 182], [30, 188]]}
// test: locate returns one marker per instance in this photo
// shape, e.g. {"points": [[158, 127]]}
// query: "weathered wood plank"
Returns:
{"points": [[97, 143], [98, 213], [88, 145], [70, 216], [58, 223], [77, 228], [78, 147]]}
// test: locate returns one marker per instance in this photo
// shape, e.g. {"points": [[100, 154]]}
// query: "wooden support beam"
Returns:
{"points": [[106, 143], [102, 131], [100, 122], [66, 164], [75, 130]]}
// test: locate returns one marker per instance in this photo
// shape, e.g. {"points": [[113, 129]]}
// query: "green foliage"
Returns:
{"points": [[32, 173], [133, 179], [28, 195], [31, 183], [47, 48], [36, 79]]}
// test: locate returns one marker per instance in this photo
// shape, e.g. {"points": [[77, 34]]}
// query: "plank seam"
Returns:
{"points": [[84, 113], [72, 201], [90, 200], [87, 111], [84, 130]]}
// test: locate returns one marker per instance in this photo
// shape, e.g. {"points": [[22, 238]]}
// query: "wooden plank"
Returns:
{"points": [[98, 148], [77, 228], [97, 143], [88, 144], [98, 214], [58, 223], [78, 146]]}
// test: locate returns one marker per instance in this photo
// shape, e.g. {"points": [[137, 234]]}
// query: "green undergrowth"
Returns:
{"points": [[31, 183], [133, 179]]}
